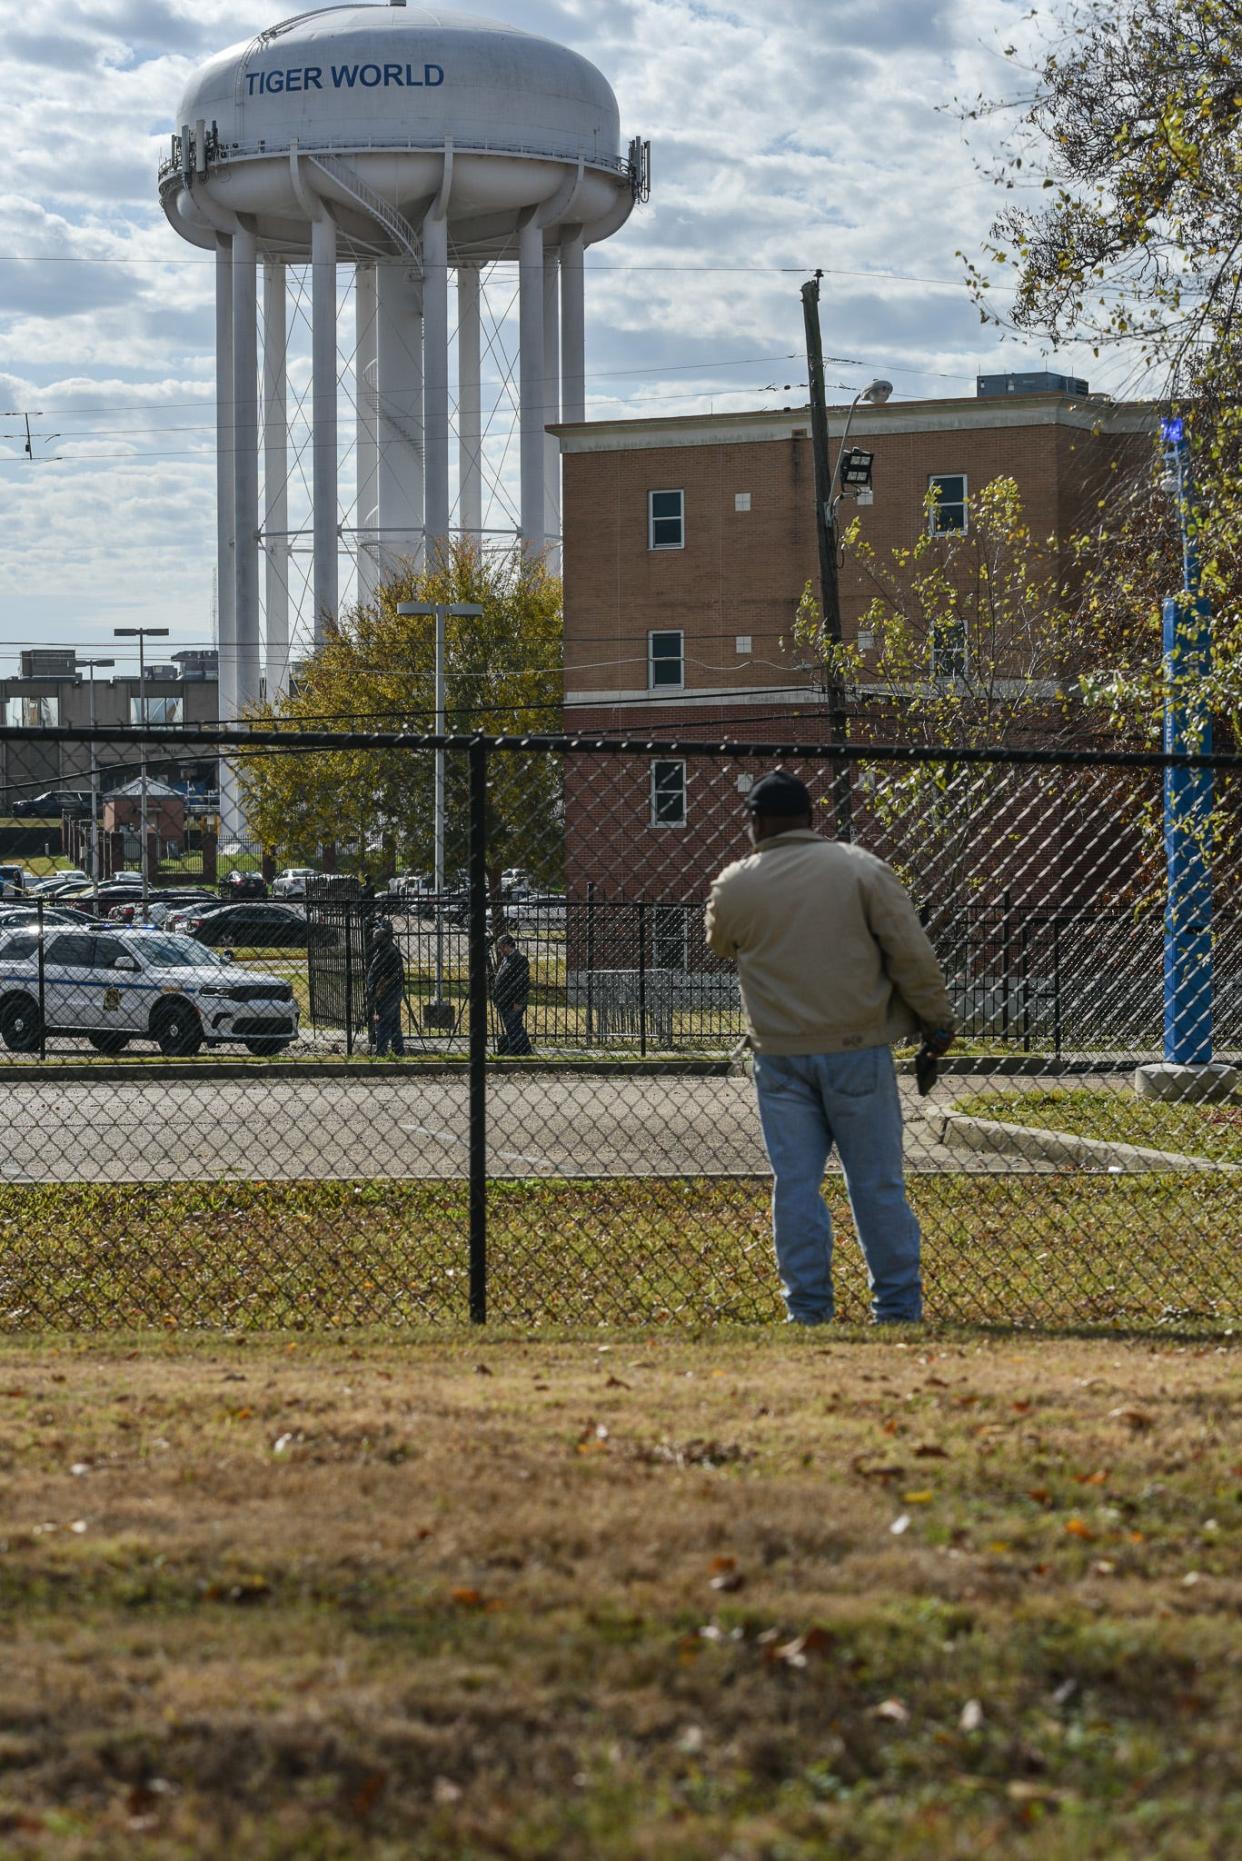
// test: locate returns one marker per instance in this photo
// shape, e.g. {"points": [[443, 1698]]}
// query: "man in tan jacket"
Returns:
{"points": [[834, 968]]}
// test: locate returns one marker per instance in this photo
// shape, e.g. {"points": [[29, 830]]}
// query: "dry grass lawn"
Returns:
{"points": [[729, 1598]]}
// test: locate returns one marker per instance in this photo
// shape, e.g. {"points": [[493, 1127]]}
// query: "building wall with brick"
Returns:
{"points": [[733, 590]]}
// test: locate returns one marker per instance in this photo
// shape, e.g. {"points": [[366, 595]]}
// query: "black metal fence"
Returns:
{"points": [[232, 1148]]}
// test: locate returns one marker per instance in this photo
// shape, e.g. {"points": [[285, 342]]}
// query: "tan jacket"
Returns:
{"points": [[830, 953]]}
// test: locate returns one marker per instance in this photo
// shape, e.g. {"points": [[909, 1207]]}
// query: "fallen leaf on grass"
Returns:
{"points": [[929, 1452], [1077, 1528], [728, 1581], [795, 1653], [468, 1598], [1138, 1419], [1040, 1495], [866, 1472], [723, 1561], [972, 1716], [615, 1382], [368, 1794], [481, 1369], [1022, 1407], [1098, 1478], [892, 1711], [900, 1525], [918, 1499]]}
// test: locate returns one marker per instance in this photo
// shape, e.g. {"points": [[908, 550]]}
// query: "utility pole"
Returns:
{"points": [[95, 846], [826, 536], [142, 635]]}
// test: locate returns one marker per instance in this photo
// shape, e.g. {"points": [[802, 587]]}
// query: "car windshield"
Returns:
{"points": [[176, 953]]}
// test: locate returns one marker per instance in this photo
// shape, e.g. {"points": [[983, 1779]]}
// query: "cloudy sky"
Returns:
{"points": [[788, 135]]}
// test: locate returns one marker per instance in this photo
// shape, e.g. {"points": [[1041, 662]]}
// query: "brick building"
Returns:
{"points": [[688, 543]]}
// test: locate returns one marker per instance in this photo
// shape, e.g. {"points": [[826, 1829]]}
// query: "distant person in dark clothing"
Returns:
{"points": [[385, 992], [511, 993]]}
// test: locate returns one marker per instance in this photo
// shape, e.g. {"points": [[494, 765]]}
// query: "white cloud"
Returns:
{"points": [[786, 136]]}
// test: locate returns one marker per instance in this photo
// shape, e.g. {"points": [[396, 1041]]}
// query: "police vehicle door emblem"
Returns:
{"points": [[112, 1000]]}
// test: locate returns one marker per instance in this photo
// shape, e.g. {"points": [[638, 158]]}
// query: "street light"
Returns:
{"points": [[142, 635], [91, 664], [462, 610], [851, 476]]}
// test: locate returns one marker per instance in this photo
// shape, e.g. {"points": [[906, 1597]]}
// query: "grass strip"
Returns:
{"points": [[1118, 1116], [1056, 1250]]}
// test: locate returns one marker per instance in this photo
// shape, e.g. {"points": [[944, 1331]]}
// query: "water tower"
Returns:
{"points": [[405, 142]]}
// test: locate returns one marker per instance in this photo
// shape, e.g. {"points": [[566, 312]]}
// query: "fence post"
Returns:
{"points": [[42, 1002], [1006, 963], [590, 961], [478, 1031], [1056, 986], [642, 978], [349, 978]]}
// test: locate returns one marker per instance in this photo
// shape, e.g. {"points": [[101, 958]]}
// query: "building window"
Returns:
{"points": [[665, 660], [949, 513], [670, 941], [668, 794], [161, 712], [949, 656], [32, 713], [666, 520]]}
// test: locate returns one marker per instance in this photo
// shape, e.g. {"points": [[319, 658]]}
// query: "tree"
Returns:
{"points": [[979, 643], [1132, 135], [375, 672]]}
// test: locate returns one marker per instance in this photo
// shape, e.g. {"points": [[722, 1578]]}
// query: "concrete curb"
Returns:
{"points": [[175, 1072], [963, 1132]]}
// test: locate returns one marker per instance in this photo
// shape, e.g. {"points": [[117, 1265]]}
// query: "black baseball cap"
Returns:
{"points": [[779, 794]]}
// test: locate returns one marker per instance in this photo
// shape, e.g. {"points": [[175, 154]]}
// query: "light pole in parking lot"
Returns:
{"points": [[91, 664], [142, 635], [441, 610]]}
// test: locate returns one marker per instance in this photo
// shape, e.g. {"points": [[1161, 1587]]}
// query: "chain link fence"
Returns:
{"points": [[208, 1125]]}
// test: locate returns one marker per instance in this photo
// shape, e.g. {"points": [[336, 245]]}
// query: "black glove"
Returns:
{"points": [[936, 1043]]}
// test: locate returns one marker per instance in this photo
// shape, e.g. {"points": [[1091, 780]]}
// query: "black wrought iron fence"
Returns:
{"points": [[201, 1129]]}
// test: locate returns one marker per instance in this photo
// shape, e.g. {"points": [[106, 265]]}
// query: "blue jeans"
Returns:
{"points": [[388, 1028], [808, 1103]]}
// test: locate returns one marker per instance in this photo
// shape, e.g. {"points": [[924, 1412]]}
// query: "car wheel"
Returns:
{"points": [[20, 1026], [266, 1046], [109, 1043], [176, 1029]]}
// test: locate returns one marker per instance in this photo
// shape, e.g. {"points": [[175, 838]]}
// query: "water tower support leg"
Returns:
{"points": [[469, 403], [367, 442], [323, 405], [226, 637], [399, 349], [246, 464], [530, 286], [552, 404], [276, 476], [436, 377], [573, 330]]}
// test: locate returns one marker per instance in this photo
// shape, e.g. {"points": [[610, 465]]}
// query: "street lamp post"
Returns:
{"points": [[440, 611], [142, 635], [91, 664]]}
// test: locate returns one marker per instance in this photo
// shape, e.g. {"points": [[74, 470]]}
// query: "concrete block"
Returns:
{"points": [[1187, 1085]]}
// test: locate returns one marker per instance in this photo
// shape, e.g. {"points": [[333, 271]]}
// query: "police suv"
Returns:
{"points": [[119, 985]]}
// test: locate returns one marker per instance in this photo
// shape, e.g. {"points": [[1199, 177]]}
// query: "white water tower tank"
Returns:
{"points": [[406, 141]]}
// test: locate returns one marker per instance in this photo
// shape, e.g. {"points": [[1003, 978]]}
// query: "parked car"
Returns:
{"points": [[262, 926], [243, 885], [53, 803], [137, 985], [167, 904], [58, 882], [291, 883], [16, 916], [114, 891]]}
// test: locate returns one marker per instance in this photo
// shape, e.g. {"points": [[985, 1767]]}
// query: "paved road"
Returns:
{"points": [[411, 1126]]}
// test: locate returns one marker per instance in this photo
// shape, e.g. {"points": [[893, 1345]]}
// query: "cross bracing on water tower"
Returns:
{"points": [[393, 150]]}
